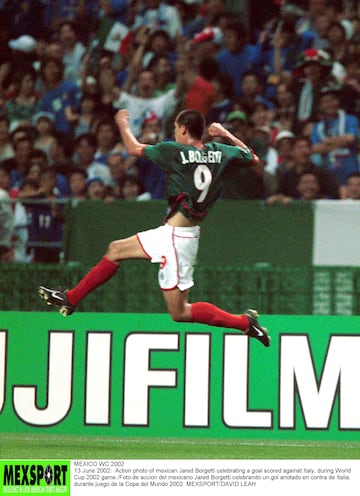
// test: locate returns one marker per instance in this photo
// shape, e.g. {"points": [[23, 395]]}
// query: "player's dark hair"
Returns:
{"points": [[194, 122]]}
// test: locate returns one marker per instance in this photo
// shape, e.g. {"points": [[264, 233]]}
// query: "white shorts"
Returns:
{"points": [[175, 248]]}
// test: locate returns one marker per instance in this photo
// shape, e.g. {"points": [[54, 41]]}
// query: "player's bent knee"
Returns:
{"points": [[114, 251], [179, 316]]}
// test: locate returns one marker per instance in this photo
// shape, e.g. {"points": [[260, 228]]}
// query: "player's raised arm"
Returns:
{"points": [[132, 145], [217, 129]]}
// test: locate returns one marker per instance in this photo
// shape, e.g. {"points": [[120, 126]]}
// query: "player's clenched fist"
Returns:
{"points": [[217, 129]]}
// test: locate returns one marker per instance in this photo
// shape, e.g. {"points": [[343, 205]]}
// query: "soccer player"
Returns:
{"points": [[194, 178]]}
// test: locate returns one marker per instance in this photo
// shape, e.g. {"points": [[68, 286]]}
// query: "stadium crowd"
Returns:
{"points": [[289, 88]]}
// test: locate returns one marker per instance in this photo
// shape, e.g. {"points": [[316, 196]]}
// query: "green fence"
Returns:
{"points": [[270, 289]]}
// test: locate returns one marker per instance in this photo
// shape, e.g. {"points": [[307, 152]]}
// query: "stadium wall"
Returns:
{"points": [[321, 233], [234, 232], [145, 375]]}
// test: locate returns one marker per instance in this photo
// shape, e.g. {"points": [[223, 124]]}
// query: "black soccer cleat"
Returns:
{"points": [[57, 298], [255, 329]]}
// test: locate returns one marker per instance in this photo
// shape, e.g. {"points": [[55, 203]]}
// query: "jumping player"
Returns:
{"points": [[194, 180]]}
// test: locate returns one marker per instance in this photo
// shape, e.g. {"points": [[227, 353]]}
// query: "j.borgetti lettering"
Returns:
{"points": [[201, 157]]}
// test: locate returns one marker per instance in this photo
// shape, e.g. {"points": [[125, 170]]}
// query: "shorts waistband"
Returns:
{"points": [[194, 230]]}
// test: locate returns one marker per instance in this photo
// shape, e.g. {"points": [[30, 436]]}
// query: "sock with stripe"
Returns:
{"points": [[207, 313]]}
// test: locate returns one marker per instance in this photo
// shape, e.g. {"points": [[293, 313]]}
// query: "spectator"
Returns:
{"points": [[284, 109], [131, 188], [151, 129], [280, 59], [33, 177], [336, 35], [20, 16], [210, 13], [20, 108], [119, 166], [350, 90], [6, 149], [109, 91], [47, 219], [159, 15], [189, 13], [6, 84], [54, 50], [155, 44], [237, 56], [223, 97], [354, 43], [320, 26], [108, 140], [207, 43], [85, 148], [151, 176], [238, 124], [314, 8], [5, 183], [95, 189], [142, 100], [284, 143], [269, 154], [288, 181], [5, 178], [45, 140], [164, 74], [261, 115], [38, 158], [61, 10], [114, 9], [59, 94], [22, 220], [73, 51], [252, 92], [198, 89], [62, 153], [77, 184], [89, 105], [6, 224], [308, 187], [334, 138], [353, 186], [313, 72], [19, 164]]}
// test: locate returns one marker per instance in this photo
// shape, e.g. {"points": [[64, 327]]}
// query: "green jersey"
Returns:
{"points": [[194, 176]]}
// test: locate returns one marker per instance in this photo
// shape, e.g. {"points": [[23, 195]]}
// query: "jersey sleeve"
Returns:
{"points": [[161, 154], [245, 155]]}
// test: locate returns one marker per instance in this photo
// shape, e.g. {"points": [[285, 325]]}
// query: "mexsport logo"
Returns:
{"points": [[34, 474]]}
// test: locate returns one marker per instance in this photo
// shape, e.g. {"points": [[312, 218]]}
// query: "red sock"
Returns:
{"points": [[207, 313], [98, 275]]}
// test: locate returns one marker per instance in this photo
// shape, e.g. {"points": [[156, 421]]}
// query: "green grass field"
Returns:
{"points": [[29, 446]]}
